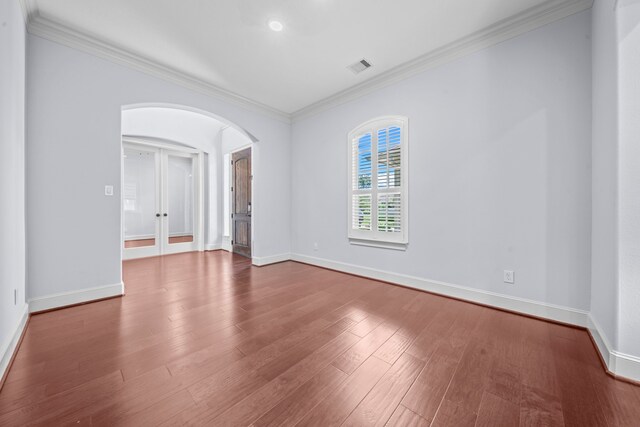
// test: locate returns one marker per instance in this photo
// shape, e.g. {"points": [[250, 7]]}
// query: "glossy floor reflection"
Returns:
{"points": [[207, 339]]}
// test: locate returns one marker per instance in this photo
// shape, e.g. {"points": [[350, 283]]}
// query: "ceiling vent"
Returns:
{"points": [[359, 66]]}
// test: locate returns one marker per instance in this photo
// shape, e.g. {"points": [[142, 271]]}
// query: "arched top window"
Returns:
{"points": [[378, 182]]}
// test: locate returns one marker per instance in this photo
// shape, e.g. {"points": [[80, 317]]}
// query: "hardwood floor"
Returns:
{"points": [[207, 339]]}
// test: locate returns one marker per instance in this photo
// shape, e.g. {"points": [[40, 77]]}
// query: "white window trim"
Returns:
{"points": [[374, 237]]}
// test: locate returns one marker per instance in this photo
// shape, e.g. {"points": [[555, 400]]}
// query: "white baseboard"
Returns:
{"points": [[75, 297], [10, 348], [140, 237], [506, 302], [212, 246], [153, 236], [181, 234], [261, 261], [625, 365], [620, 364], [226, 244]]}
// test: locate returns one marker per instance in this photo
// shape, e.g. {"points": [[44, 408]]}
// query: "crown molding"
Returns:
{"points": [[29, 9], [511, 27], [51, 30]]}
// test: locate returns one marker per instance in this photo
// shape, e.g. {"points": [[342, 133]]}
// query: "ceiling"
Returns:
{"points": [[227, 44]]}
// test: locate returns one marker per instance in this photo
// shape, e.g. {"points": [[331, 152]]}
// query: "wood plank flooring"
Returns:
{"points": [[207, 339]]}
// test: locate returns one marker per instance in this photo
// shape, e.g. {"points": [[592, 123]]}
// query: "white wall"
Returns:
{"points": [[214, 194], [233, 140], [186, 127], [628, 30], [12, 172], [499, 170], [615, 294], [74, 102], [604, 262]]}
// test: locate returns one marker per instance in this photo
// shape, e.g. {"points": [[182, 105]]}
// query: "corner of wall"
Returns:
{"points": [[618, 364], [8, 350]]}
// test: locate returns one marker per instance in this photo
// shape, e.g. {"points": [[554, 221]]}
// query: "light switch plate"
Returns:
{"points": [[108, 190]]}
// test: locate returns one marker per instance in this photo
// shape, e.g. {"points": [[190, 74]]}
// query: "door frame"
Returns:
{"points": [[162, 150], [231, 196]]}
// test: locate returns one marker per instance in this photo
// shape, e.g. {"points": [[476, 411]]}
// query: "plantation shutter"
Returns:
{"points": [[389, 204], [361, 182], [377, 181]]}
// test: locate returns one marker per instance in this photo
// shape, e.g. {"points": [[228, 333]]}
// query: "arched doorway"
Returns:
{"points": [[177, 181]]}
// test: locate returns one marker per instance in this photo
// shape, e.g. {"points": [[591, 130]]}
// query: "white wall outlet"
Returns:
{"points": [[315, 246], [108, 190], [509, 276]]}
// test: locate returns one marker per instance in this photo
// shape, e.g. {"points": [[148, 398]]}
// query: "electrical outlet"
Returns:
{"points": [[108, 190], [509, 276], [315, 246]]}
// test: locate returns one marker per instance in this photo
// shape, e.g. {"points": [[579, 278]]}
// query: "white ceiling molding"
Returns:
{"points": [[516, 25], [528, 20], [54, 31], [29, 9]]}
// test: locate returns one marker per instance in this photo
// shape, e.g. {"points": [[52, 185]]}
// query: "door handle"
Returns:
{"points": [[157, 215], [165, 214]]}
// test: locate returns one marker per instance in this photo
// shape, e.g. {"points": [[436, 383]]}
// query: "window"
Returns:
{"points": [[378, 183]]}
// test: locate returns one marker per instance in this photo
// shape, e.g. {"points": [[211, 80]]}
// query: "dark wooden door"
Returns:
{"points": [[241, 202]]}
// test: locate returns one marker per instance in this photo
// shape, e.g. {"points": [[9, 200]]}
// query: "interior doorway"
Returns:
{"points": [[241, 191], [161, 199]]}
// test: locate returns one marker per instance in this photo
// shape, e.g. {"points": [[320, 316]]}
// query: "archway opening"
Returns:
{"points": [[178, 182]]}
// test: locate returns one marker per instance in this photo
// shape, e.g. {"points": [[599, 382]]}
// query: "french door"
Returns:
{"points": [[161, 201]]}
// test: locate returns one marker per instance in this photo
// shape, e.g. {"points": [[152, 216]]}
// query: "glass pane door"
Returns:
{"points": [[180, 202], [140, 201]]}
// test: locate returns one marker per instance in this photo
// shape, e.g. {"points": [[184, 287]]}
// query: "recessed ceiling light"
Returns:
{"points": [[276, 25]]}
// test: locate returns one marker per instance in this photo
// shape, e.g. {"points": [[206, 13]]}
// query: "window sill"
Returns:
{"points": [[379, 244]]}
